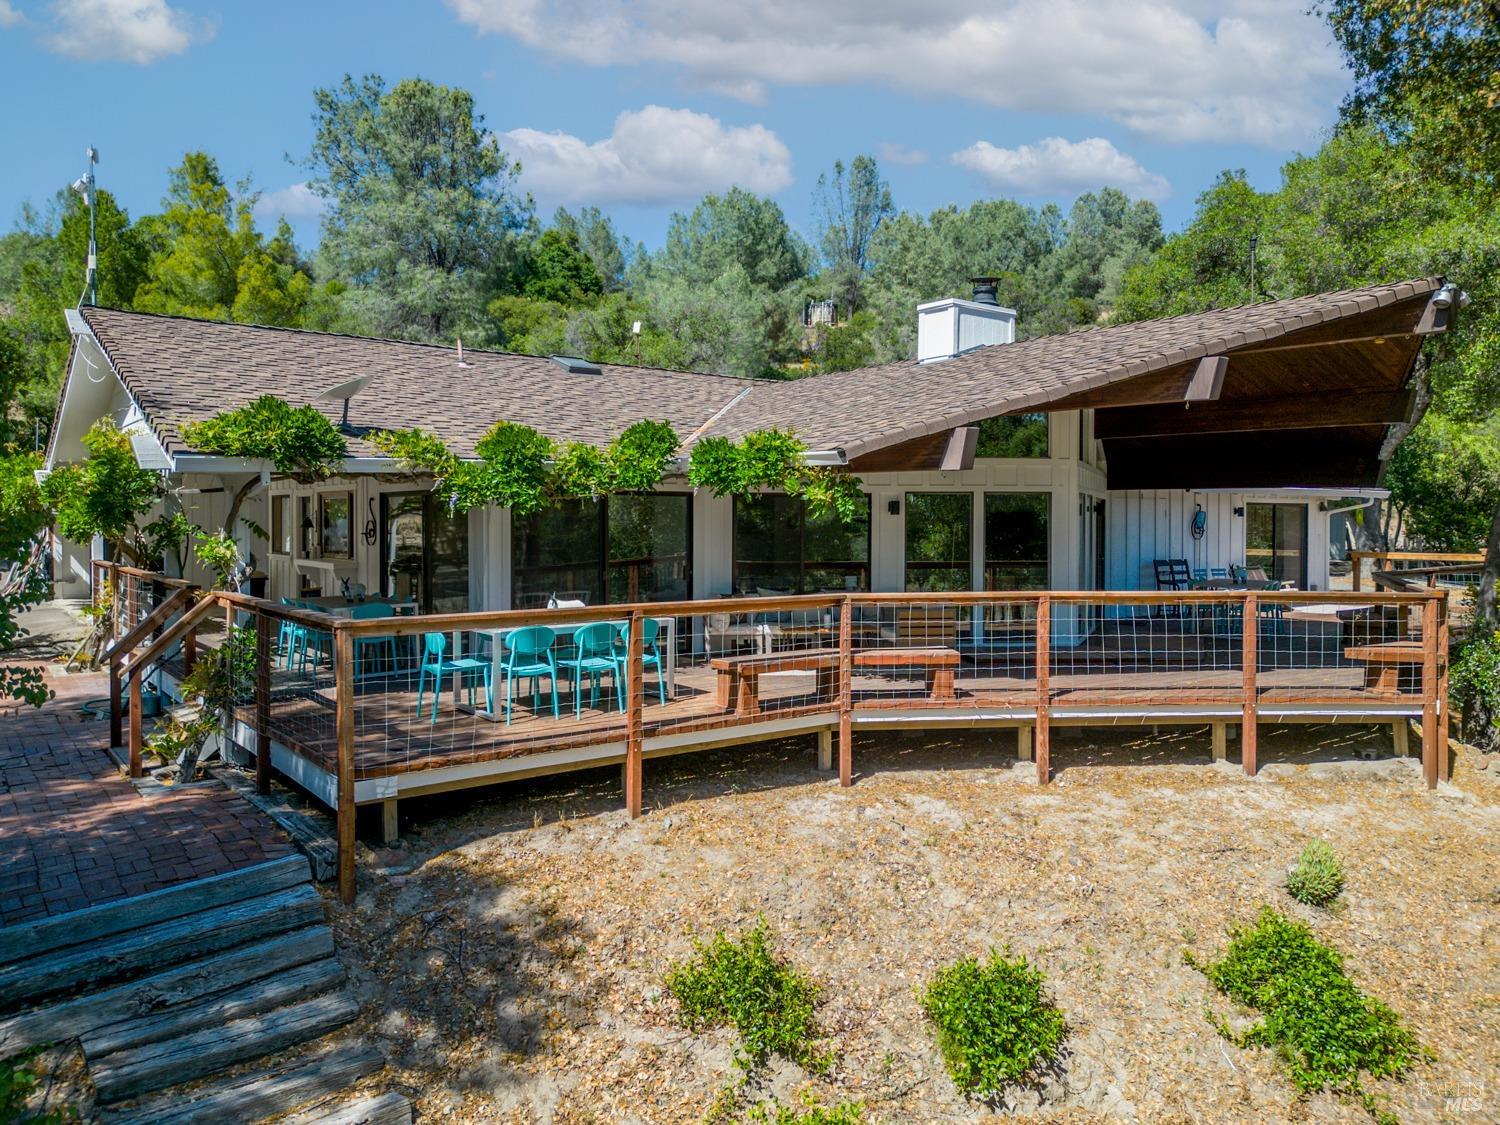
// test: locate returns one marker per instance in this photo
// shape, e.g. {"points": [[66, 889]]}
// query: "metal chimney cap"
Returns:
{"points": [[986, 290]]}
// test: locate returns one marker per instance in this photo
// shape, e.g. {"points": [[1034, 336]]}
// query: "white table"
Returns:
{"points": [[666, 645], [347, 609]]}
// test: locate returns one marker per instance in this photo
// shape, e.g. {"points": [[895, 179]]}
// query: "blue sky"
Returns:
{"points": [[643, 105]]}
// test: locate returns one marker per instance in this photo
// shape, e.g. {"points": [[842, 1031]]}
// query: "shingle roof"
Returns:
{"points": [[180, 370]]}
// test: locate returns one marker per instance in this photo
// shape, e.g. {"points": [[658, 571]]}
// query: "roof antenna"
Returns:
{"points": [[84, 186], [1254, 242]]}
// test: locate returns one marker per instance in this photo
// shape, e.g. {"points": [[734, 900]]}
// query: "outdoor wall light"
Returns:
{"points": [[1240, 512], [893, 507]]}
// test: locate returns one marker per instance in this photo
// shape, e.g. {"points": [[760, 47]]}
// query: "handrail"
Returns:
{"points": [[1356, 560], [154, 620], [171, 634]]}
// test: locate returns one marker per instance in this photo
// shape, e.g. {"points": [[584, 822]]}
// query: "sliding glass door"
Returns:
{"points": [[1016, 547], [939, 540], [1276, 539], [424, 552], [624, 548]]}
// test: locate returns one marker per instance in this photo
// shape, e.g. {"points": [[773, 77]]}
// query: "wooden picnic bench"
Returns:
{"points": [[1391, 668], [737, 678]]}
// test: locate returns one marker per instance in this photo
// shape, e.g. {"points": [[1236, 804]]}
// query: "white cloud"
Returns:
{"points": [[296, 202], [1056, 166], [1264, 71], [9, 16], [138, 31], [892, 153], [654, 155]]}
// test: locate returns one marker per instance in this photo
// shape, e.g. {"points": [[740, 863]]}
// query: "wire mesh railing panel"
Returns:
{"points": [[1314, 651], [299, 684], [1150, 652]]}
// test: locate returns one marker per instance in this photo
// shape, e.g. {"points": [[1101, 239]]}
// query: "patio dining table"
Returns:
{"points": [[666, 645], [337, 606]]}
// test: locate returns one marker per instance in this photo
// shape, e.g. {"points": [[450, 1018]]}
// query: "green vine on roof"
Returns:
{"points": [[297, 440], [525, 471], [774, 459]]}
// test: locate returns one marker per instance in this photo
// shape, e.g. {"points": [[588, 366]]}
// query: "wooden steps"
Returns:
{"points": [[311, 831], [182, 984], [250, 1097], [389, 1108]]}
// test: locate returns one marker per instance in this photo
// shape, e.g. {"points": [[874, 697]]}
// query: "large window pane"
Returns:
{"points": [[648, 547], [558, 552], [1013, 435], [447, 558], [424, 551], [1016, 540], [401, 546], [779, 546], [1276, 539], [939, 537]]}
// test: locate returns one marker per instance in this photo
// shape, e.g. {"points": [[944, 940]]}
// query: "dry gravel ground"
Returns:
{"points": [[511, 951]]}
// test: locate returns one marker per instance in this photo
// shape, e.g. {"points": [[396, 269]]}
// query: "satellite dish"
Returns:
{"points": [[344, 392]]}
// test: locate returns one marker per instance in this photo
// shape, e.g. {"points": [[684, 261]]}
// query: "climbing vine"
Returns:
{"points": [[525, 471], [298, 440]]}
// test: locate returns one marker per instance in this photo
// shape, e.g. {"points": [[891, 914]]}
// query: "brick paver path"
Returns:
{"points": [[74, 833]]}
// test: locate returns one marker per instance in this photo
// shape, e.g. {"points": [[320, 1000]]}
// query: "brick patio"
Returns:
{"points": [[74, 833]]}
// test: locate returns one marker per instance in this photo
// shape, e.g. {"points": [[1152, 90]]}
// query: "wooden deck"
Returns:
{"points": [[389, 738]]}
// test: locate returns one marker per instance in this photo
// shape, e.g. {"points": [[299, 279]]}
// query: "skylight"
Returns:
{"points": [[575, 365]]}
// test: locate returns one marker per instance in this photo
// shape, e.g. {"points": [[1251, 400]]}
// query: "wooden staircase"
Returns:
{"points": [[182, 984]]}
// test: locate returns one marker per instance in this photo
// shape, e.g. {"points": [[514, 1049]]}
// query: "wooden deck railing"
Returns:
{"points": [[341, 695], [1407, 560]]}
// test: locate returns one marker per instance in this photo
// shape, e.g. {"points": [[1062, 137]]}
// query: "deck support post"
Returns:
{"points": [[1043, 738], [846, 693], [1433, 747], [1221, 741], [390, 830], [137, 739], [116, 704], [1023, 742], [634, 695], [262, 701], [1249, 656], [825, 749], [1441, 702], [343, 678], [1401, 737]]}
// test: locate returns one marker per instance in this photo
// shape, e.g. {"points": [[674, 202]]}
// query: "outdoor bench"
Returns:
{"points": [[1392, 668], [738, 677]]}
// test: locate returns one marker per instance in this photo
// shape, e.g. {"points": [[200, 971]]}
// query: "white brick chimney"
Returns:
{"points": [[953, 326]]}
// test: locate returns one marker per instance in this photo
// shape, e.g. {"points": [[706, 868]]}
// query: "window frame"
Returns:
{"points": [[281, 525], [802, 560]]}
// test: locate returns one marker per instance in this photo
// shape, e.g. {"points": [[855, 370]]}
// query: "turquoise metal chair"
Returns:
{"points": [[435, 664], [528, 655], [594, 653], [309, 643], [381, 643], [650, 652], [284, 636]]}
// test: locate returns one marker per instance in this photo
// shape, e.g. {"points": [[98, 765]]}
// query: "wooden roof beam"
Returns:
{"points": [[1195, 381], [1281, 412]]}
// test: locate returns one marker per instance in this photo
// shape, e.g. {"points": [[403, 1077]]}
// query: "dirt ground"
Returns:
{"points": [[511, 950]]}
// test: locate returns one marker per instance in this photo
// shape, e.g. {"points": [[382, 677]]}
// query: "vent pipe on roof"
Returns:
{"points": [[986, 291]]}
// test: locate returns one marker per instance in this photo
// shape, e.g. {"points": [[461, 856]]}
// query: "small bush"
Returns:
{"points": [[744, 984], [994, 1024], [1323, 1027], [1318, 878], [811, 1112], [1474, 681]]}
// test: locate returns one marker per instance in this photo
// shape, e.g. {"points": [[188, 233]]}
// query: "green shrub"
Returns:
{"points": [[744, 984], [995, 1025], [1474, 682], [1322, 1026], [811, 1112], [17, 1084], [1318, 878]]}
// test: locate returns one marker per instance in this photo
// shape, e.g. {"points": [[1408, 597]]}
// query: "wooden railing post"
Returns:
{"points": [[263, 626], [112, 593], [116, 704], [137, 739], [1434, 746], [635, 684], [1042, 736], [343, 673], [1249, 656], [1442, 689], [846, 692], [1357, 564]]}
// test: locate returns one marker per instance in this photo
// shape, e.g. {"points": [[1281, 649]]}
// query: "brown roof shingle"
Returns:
{"points": [[180, 370]]}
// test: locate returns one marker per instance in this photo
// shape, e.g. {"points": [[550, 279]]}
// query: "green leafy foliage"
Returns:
{"points": [[18, 1082], [773, 459], [640, 455], [105, 493], [23, 515], [582, 471], [1318, 877], [1326, 1031], [297, 440], [1474, 681], [221, 678], [743, 984], [809, 1112], [219, 556], [516, 470], [995, 1024]]}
